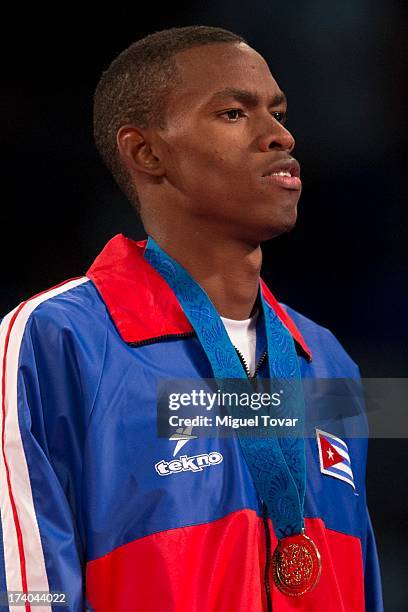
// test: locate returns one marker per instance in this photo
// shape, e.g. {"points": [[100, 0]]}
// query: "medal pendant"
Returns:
{"points": [[296, 565]]}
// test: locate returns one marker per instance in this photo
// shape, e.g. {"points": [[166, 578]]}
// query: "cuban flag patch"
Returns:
{"points": [[334, 457]]}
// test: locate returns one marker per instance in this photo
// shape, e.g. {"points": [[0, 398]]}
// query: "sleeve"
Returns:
{"points": [[372, 576], [42, 431]]}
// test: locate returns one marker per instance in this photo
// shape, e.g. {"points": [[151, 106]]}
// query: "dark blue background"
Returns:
{"points": [[343, 66]]}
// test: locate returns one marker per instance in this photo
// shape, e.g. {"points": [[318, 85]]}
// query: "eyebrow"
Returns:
{"points": [[246, 97]]}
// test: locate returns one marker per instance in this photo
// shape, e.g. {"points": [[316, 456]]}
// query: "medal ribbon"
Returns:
{"points": [[277, 466]]}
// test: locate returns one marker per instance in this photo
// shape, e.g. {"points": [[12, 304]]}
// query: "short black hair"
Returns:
{"points": [[135, 86]]}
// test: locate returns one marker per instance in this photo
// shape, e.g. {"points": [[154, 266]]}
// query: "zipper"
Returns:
{"points": [[245, 365], [268, 557], [260, 362], [264, 508]]}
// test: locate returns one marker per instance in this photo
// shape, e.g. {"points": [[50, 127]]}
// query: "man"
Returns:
{"points": [[94, 505]]}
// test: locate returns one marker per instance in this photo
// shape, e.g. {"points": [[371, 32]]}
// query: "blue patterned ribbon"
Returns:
{"points": [[277, 465]]}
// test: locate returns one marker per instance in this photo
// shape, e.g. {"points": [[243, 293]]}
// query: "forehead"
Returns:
{"points": [[208, 69]]}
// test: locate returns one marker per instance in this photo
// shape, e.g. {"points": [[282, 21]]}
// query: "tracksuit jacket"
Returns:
{"points": [[84, 512]]}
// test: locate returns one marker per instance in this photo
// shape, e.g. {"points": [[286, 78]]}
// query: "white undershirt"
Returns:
{"points": [[243, 336]]}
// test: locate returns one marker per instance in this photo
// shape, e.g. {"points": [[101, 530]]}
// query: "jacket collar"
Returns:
{"points": [[141, 303]]}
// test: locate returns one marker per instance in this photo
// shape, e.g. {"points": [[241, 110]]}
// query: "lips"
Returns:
{"points": [[285, 173], [284, 165]]}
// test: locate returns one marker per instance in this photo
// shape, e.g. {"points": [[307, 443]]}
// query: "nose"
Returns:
{"points": [[276, 136]]}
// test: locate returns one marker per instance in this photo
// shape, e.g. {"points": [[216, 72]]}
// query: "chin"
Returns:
{"points": [[265, 226], [276, 227], [288, 225]]}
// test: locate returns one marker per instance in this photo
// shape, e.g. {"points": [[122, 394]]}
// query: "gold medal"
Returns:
{"points": [[296, 565]]}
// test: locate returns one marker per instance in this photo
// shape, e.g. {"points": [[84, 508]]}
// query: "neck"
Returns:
{"points": [[227, 268]]}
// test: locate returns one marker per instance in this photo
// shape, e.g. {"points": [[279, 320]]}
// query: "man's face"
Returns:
{"points": [[224, 142]]}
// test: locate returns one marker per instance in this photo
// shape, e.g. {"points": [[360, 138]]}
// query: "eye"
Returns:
{"points": [[280, 116], [233, 114]]}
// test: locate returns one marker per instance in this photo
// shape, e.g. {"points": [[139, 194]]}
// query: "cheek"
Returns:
{"points": [[206, 162], [221, 169], [201, 163]]}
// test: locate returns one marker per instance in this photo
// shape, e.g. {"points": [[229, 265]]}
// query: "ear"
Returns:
{"points": [[134, 145]]}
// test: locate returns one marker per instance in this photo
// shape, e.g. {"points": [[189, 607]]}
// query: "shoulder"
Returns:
{"points": [[54, 344], [327, 352], [72, 307]]}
